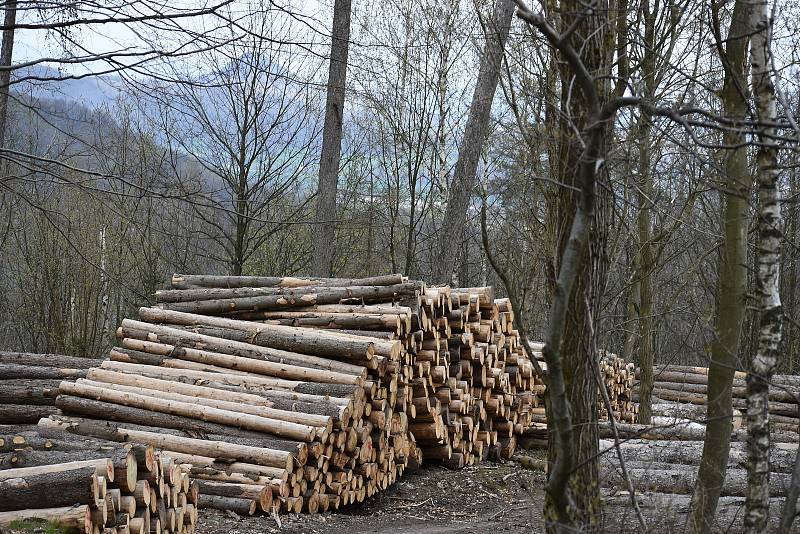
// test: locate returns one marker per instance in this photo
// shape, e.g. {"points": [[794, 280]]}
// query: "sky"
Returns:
{"points": [[311, 17]]}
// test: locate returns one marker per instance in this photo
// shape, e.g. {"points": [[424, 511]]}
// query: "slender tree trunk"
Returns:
{"points": [[6, 54], [475, 133], [732, 275], [770, 236], [644, 225], [324, 225]]}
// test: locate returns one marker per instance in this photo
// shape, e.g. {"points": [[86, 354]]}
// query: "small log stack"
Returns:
{"points": [[617, 375], [29, 383], [688, 385], [92, 485]]}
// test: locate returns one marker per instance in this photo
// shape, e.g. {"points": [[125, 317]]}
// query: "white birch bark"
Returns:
{"points": [[770, 235]]}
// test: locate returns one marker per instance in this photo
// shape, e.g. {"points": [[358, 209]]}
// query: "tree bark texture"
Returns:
{"points": [[476, 131], [324, 231], [732, 278], [770, 235]]}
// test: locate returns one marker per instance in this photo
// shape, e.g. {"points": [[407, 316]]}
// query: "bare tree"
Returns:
{"points": [[770, 237], [324, 224], [6, 55], [731, 269], [475, 132]]}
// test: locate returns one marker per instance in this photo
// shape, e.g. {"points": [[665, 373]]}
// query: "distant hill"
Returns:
{"points": [[44, 82]]}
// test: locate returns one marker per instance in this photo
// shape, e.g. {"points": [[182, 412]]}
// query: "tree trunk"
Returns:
{"points": [[196, 281], [475, 133], [770, 234], [10, 371], [11, 414], [240, 506], [320, 406], [6, 55], [732, 279], [37, 392], [644, 225], [191, 410], [291, 298], [324, 230]]}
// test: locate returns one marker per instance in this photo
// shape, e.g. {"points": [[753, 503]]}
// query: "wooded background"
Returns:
{"points": [[207, 163]]}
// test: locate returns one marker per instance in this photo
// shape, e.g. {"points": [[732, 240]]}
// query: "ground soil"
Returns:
{"points": [[491, 497]]}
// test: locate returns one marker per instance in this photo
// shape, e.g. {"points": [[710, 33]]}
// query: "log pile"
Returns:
{"points": [[29, 383], [323, 391], [617, 376], [688, 385], [91, 485]]}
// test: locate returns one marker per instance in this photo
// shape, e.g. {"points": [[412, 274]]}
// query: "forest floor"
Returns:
{"points": [[487, 498], [496, 497]]}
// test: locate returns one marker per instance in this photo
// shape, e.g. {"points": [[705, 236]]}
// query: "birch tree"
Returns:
{"points": [[770, 236]]}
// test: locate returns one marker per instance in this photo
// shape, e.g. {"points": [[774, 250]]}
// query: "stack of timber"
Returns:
{"points": [[323, 391], [618, 378], [688, 385], [91, 485], [461, 377], [662, 464], [29, 383]]}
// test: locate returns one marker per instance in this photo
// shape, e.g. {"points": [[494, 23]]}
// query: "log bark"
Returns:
{"points": [[68, 517], [116, 432], [20, 490], [680, 432], [188, 281], [340, 391], [296, 299], [31, 392], [240, 506], [253, 471], [334, 321], [666, 510], [124, 414], [13, 414], [217, 449], [782, 455], [239, 363], [681, 479], [10, 371], [320, 407], [177, 337], [285, 388], [254, 492], [228, 405], [289, 338], [48, 360], [190, 410]]}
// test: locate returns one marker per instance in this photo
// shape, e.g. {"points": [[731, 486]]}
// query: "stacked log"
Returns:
{"points": [[92, 485], [463, 380], [617, 376], [29, 383], [688, 385], [322, 391]]}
